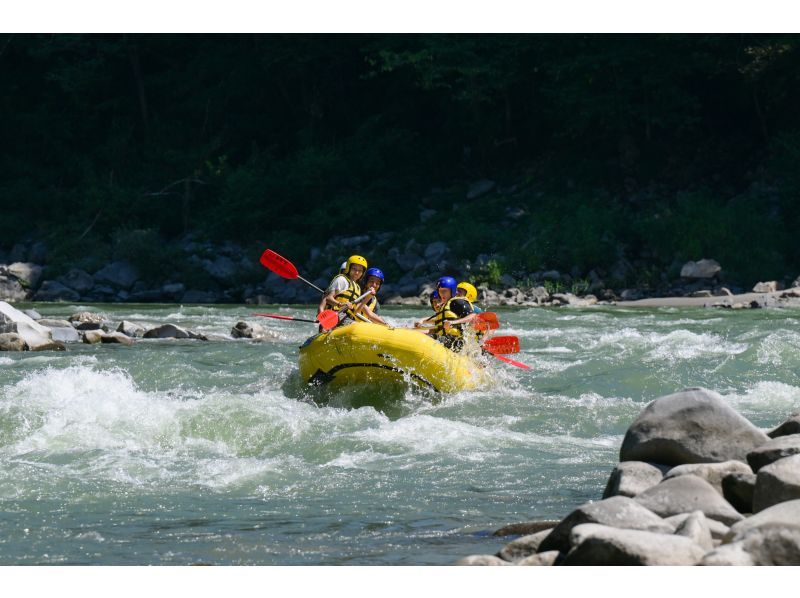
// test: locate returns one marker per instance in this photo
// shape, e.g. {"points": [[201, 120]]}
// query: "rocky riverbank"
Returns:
{"points": [[697, 484], [209, 273]]}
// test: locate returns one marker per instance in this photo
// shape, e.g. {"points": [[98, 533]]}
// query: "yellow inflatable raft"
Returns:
{"points": [[367, 353]]}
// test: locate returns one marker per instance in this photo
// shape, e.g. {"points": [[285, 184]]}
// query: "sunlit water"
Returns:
{"points": [[179, 452]]}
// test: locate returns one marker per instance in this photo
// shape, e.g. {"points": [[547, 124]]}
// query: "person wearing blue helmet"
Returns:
{"points": [[369, 307], [453, 315]]}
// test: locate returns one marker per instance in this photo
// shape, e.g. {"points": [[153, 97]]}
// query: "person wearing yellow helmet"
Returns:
{"points": [[343, 290], [470, 293]]}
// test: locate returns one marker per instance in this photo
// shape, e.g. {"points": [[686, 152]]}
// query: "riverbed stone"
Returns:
{"points": [[65, 334], [630, 478], [541, 559], [86, 316], [777, 448], [251, 330], [523, 547], [116, 338], [737, 489], [525, 528], [92, 337], [130, 329], [695, 527], [685, 494], [790, 426], [768, 544], [482, 560], [692, 426], [776, 483], [617, 511], [11, 341], [782, 514], [595, 544], [166, 331], [36, 336], [710, 472], [718, 529]]}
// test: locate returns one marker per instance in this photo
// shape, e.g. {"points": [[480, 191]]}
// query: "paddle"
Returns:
{"points": [[518, 364], [502, 344], [283, 267], [327, 319]]}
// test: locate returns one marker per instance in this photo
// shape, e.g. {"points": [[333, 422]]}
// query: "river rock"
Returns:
{"points": [[93, 337], [253, 331], [86, 316], [617, 511], [523, 547], [116, 338], [11, 341], [704, 268], [482, 559], [36, 336], [595, 544], [776, 483], [777, 448], [630, 478], [121, 274], [766, 287], [763, 545], [26, 272], [52, 290], [78, 280], [526, 528], [11, 289], [713, 473], [692, 426], [782, 514], [130, 329], [542, 559], [167, 331], [737, 489], [790, 426], [64, 334], [695, 527], [685, 494], [718, 529]]}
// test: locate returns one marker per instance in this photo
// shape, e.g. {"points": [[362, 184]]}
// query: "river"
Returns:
{"points": [[188, 452]]}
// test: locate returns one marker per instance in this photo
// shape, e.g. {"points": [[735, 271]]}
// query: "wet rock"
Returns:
{"points": [[713, 473], [167, 331], [630, 478], [86, 316], [737, 489], [116, 338], [595, 544], [253, 331], [54, 323], [52, 290], [685, 494], [542, 559], [130, 329], [704, 268], [93, 337], [64, 334], [718, 529], [695, 527], [777, 448], [526, 528], [777, 482], [790, 426], [482, 560], [692, 426], [523, 547], [764, 545], [36, 336], [120, 274], [11, 341], [617, 511]]}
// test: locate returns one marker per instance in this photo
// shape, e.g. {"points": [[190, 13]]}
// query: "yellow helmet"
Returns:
{"points": [[471, 291], [355, 259]]}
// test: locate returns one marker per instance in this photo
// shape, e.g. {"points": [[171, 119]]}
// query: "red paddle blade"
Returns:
{"points": [[328, 319], [502, 344], [489, 319], [518, 364], [276, 316], [278, 264]]}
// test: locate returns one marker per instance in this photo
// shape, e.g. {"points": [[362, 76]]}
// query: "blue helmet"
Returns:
{"points": [[376, 272], [447, 282], [433, 297]]}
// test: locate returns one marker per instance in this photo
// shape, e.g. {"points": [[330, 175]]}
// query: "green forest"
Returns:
{"points": [[653, 148]]}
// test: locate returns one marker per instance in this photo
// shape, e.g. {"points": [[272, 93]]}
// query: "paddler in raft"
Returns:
{"points": [[369, 306], [452, 317], [343, 290]]}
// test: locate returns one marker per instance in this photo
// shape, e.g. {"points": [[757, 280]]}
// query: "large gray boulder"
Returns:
{"points": [[692, 426], [776, 483], [120, 274], [523, 547], [790, 426], [737, 489], [52, 290], [630, 478], [541, 559], [526, 528], [36, 336], [685, 494], [130, 329], [777, 448], [763, 545], [65, 334], [783, 514], [481, 560], [710, 472], [617, 511], [603, 545], [172, 331]]}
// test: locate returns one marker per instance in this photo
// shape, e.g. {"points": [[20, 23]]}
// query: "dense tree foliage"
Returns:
{"points": [[655, 147]]}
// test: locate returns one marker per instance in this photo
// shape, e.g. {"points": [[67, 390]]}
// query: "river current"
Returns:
{"points": [[188, 452]]}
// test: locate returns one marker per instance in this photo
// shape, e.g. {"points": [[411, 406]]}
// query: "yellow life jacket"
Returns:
{"points": [[352, 293], [444, 314], [372, 303]]}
